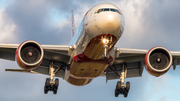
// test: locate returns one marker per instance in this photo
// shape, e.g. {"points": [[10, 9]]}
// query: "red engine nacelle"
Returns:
{"points": [[158, 61], [29, 55]]}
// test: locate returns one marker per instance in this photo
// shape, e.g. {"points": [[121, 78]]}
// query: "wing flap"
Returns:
{"points": [[125, 55], [134, 69], [39, 70]]}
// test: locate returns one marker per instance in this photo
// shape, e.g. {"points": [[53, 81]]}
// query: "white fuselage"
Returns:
{"points": [[102, 22]]}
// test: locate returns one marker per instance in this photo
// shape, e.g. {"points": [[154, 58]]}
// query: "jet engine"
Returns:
{"points": [[158, 61], [29, 55]]}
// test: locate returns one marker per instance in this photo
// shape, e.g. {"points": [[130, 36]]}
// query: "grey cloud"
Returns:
{"points": [[32, 22], [164, 20], [158, 24]]}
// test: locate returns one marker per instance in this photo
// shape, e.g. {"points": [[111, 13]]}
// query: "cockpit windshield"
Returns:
{"points": [[108, 9]]}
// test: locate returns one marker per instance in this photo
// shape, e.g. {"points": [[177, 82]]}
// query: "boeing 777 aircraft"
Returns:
{"points": [[90, 54]]}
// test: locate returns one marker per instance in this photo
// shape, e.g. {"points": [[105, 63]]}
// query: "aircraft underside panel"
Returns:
{"points": [[89, 63], [76, 82], [134, 69]]}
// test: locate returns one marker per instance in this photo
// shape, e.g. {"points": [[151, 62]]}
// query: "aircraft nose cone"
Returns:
{"points": [[111, 19], [109, 23]]}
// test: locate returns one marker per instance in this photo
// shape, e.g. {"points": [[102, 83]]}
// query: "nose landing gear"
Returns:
{"points": [[105, 55]]}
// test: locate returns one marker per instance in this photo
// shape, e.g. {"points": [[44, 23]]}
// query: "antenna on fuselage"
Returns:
{"points": [[73, 25]]}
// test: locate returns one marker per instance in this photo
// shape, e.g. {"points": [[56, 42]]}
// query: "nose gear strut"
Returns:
{"points": [[105, 55]]}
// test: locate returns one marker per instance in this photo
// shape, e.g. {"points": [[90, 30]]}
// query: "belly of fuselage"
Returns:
{"points": [[88, 68], [89, 64]]}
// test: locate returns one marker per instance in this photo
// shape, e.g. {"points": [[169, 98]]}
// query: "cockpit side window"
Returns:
{"points": [[117, 11], [108, 9], [100, 10]]}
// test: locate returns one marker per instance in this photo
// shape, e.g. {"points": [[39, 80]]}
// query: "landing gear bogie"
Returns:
{"points": [[122, 89], [53, 86]]}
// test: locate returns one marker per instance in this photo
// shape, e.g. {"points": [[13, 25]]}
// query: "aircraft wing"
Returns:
{"points": [[7, 51], [52, 52], [134, 60], [59, 54]]}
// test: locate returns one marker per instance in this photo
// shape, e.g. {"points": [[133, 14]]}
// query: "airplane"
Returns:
{"points": [[91, 53]]}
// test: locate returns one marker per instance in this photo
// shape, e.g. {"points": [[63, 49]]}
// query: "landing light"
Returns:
{"points": [[105, 41]]}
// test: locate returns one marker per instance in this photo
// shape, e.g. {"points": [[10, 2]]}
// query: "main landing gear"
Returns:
{"points": [[51, 85], [122, 88]]}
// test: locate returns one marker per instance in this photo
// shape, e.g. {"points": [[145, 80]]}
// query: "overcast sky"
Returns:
{"points": [[149, 23]]}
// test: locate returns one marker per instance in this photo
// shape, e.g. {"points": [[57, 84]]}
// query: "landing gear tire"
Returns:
{"points": [[118, 86], [45, 90], [127, 86], [118, 89], [126, 94], [56, 86], [116, 93], [127, 89], [47, 83], [56, 83], [55, 91]]}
